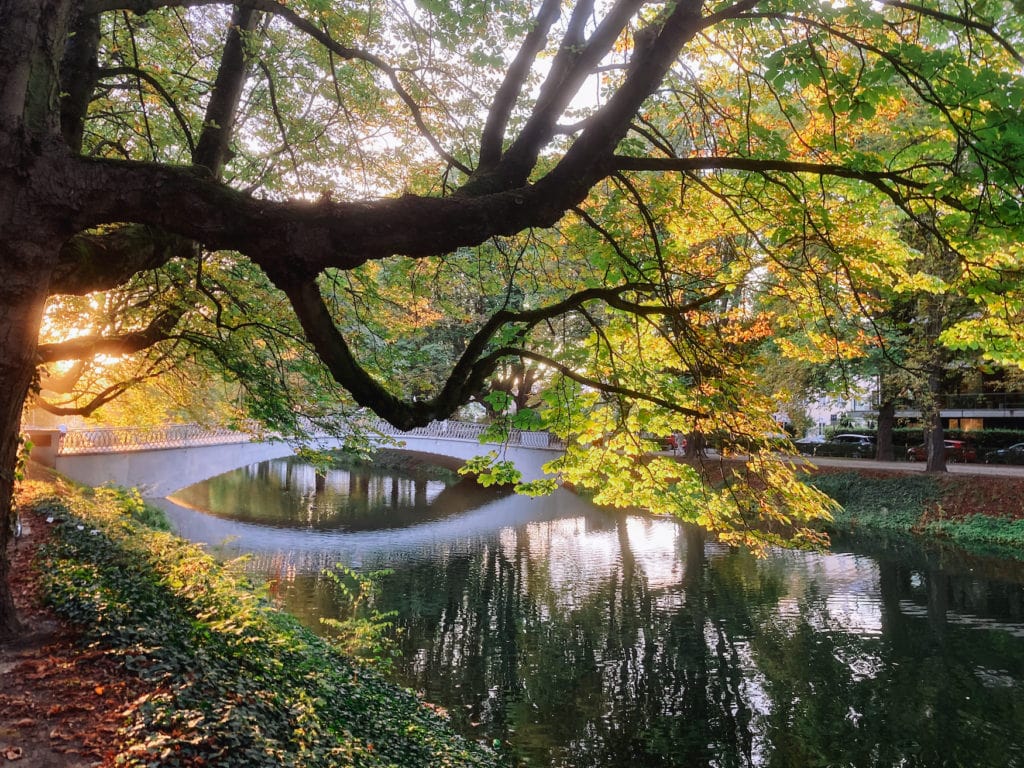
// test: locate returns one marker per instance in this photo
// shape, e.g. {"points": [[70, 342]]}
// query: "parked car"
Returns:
{"points": [[807, 445], [853, 446], [674, 442], [957, 451], [1012, 455]]}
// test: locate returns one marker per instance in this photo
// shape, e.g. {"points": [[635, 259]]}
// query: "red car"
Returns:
{"points": [[673, 442], [957, 452]]}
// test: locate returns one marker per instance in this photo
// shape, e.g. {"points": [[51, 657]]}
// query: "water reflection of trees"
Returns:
{"points": [[898, 655], [708, 671], [924, 691], [623, 675]]}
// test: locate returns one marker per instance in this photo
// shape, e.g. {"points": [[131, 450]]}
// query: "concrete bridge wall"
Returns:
{"points": [[162, 471]]}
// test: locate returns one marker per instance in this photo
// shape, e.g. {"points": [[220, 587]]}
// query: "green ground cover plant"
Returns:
{"points": [[236, 682], [981, 529], [889, 504], [917, 504]]}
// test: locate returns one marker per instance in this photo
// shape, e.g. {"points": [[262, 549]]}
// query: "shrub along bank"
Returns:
{"points": [[236, 682], [970, 510]]}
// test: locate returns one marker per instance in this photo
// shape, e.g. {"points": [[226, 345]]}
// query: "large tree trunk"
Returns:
{"points": [[21, 306], [32, 228]]}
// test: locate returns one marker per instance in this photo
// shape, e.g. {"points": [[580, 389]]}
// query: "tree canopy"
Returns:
{"points": [[392, 205]]}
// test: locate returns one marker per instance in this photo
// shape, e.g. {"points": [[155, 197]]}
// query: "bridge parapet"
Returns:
{"points": [[464, 430], [121, 439], [160, 460]]}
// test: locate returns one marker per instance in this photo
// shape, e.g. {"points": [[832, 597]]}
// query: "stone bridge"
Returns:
{"points": [[161, 460]]}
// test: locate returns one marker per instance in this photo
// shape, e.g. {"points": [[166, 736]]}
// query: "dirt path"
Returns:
{"points": [[61, 704]]}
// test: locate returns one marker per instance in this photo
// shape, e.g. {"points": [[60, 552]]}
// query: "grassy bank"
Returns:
{"points": [[233, 681], [968, 510]]}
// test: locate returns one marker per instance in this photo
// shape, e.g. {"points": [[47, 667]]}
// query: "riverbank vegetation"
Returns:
{"points": [[226, 679], [970, 510]]}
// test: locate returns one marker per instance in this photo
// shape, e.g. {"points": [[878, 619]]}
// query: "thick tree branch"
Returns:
{"points": [[298, 237], [303, 238], [98, 261], [505, 98], [587, 160], [474, 366], [575, 61], [212, 149], [83, 347], [332, 348], [78, 72]]}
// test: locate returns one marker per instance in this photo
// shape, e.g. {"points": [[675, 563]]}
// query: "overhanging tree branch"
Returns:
{"points": [[84, 347], [474, 366], [97, 260], [884, 181], [95, 402], [602, 386], [156, 85]]}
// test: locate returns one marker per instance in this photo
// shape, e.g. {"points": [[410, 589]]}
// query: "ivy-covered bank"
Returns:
{"points": [[969, 510], [236, 682]]}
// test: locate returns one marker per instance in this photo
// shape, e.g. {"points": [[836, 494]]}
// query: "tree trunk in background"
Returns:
{"points": [[934, 435], [696, 445], [885, 450]]}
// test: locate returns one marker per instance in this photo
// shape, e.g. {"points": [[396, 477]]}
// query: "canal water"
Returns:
{"points": [[575, 636]]}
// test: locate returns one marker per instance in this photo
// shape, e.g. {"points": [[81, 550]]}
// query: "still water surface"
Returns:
{"points": [[582, 637]]}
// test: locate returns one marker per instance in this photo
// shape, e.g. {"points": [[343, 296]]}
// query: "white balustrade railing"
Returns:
{"points": [[121, 439], [124, 439], [462, 430]]}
